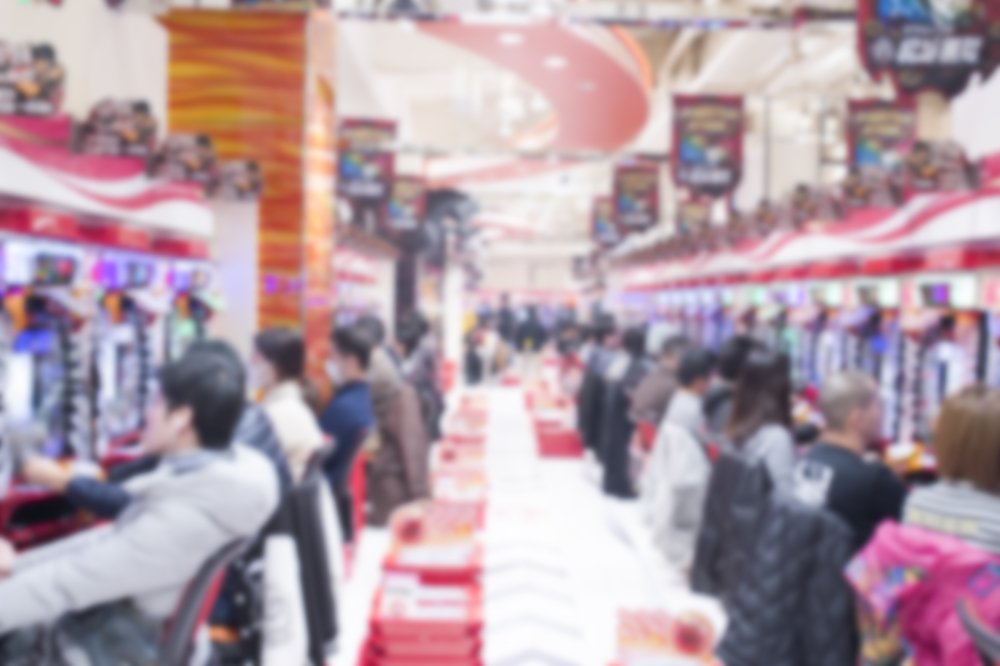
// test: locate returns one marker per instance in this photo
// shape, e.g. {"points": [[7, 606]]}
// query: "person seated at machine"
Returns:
{"points": [[126, 578], [108, 498], [833, 475], [652, 397]]}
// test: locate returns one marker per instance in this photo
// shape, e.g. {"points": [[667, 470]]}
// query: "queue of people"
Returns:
{"points": [[260, 486], [821, 549]]}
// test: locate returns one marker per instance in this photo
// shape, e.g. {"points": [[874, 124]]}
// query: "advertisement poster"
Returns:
{"points": [[604, 228], [637, 196], [879, 133], [708, 143], [31, 80], [929, 44], [366, 167], [187, 158], [406, 205], [120, 128], [693, 215]]}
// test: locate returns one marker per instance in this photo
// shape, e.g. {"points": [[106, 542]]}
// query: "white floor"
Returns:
{"points": [[561, 559]]}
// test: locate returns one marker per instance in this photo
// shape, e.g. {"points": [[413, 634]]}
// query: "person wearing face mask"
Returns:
{"points": [[112, 588], [833, 475], [349, 416], [277, 372]]}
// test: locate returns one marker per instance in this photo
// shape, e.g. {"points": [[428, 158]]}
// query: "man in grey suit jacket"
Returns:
{"points": [[203, 495]]}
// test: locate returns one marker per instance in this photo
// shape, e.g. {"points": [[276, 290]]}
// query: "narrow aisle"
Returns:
{"points": [[562, 559]]}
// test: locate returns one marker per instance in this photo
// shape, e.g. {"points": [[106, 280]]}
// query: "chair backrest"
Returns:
{"points": [[986, 639], [195, 605]]}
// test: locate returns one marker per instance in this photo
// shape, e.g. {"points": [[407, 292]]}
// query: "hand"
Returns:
{"points": [[46, 472], [7, 557]]}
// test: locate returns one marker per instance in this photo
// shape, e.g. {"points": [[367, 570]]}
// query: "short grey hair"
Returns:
{"points": [[844, 392]]}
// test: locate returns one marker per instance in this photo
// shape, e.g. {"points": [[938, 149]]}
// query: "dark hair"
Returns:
{"points": [[210, 385], [763, 395], [602, 328], [203, 141], [674, 344], [634, 341], [353, 341], [734, 354], [223, 350], [141, 106], [371, 326], [410, 330], [696, 363], [43, 52], [284, 349]]}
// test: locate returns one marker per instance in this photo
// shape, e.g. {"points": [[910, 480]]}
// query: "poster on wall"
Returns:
{"points": [[116, 127], [708, 143], [637, 196], [365, 170], [187, 158], [31, 80], [880, 133], [604, 228], [929, 44], [694, 214], [406, 207]]}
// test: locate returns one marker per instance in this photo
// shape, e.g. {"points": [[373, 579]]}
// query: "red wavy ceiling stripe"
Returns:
{"points": [[600, 104]]}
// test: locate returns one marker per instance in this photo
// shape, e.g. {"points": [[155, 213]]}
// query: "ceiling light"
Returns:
{"points": [[511, 38], [556, 62]]}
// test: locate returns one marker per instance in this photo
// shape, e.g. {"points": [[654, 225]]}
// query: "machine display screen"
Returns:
{"points": [[52, 270], [936, 295], [138, 274], [35, 383], [868, 295]]}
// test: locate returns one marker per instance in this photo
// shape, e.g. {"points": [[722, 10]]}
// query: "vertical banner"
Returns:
{"points": [[603, 226], [366, 165], [880, 134], [407, 205], [929, 44], [708, 143], [694, 215], [252, 112], [637, 196]]}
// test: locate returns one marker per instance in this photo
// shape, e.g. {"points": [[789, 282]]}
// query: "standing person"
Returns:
{"points": [[833, 475], [277, 370], [718, 404], [531, 338], [506, 321], [591, 396], [115, 586], [694, 375], [384, 377], [349, 416], [623, 375], [652, 397], [419, 366], [759, 426]]}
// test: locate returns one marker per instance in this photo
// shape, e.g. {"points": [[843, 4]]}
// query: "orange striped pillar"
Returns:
{"points": [[262, 85]]}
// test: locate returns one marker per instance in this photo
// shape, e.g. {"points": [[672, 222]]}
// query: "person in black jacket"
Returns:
{"points": [[624, 375], [590, 397], [531, 334], [718, 401]]}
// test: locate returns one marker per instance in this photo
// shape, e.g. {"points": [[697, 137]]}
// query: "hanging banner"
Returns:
{"points": [[31, 80], [366, 166], [407, 205], [880, 134], [122, 128], [708, 143], [929, 44], [603, 227], [637, 196], [693, 215]]}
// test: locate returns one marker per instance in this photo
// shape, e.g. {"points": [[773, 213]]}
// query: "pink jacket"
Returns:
{"points": [[907, 581]]}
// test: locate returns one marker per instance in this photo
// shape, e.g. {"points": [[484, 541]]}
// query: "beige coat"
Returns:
{"points": [[294, 424]]}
